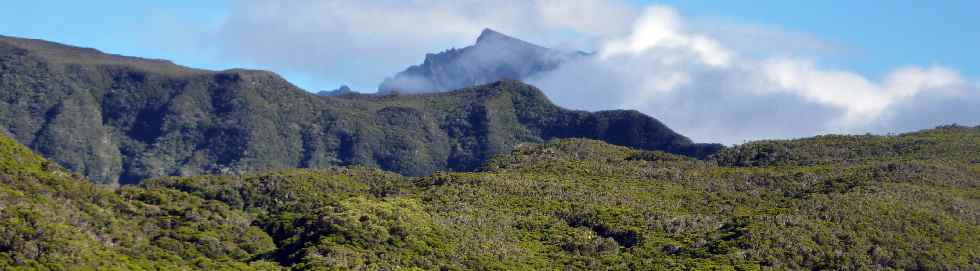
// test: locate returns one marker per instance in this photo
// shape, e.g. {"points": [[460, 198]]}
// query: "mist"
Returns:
{"points": [[492, 58], [711, 92]]}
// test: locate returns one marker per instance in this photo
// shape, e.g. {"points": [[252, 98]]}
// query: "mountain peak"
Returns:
{"points": [[494, 57], [490, 35]]}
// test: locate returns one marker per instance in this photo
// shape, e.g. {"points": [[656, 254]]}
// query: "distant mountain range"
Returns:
{"points": [[494, 57], [119, 119], [342, 90]]}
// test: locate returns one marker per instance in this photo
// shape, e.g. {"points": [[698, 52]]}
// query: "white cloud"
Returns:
{"points": [[661, 28], [763, 40], [594, 17], [856, 95], [711, 92], [862, 100]]}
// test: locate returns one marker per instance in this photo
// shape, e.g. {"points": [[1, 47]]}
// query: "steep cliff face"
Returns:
{"points": [[121, 120], [494, 57]]}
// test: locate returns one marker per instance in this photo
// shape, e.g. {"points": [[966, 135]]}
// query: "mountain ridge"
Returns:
{"points": [[125, 121]]}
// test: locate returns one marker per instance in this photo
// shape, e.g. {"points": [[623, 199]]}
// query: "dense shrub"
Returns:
{"points": [[833, 202]]}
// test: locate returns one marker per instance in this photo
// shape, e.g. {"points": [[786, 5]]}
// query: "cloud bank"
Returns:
{"points": [[711, 92], [715, 81]]}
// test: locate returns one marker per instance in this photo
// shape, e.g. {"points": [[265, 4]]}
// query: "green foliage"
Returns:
{"points": [[362, 233], [50, 220], [831, 202], [946, 142], [582, 204]]}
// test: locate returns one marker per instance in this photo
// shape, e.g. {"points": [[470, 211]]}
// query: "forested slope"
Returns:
{"points": [[832, 202]]}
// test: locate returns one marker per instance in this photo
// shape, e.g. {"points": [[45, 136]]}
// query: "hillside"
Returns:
{"points": [[53, 220], [566, 204], [119, 119], [492, 58]]}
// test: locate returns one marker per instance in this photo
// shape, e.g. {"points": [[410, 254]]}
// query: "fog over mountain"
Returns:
{"points": [[715, 80], [696, 82], [494, 57]]}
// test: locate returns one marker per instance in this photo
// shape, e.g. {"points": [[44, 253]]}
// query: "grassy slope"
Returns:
{"points": [[833, 202], [830, 202]]}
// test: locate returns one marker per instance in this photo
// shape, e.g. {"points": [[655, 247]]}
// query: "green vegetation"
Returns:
{"points": [[910, 201], [117, 119], [52, 220]]}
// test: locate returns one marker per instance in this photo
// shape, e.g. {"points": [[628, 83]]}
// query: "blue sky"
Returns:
{"points": [[880, 34], [114, 26], [884, 33], [717, 71]]}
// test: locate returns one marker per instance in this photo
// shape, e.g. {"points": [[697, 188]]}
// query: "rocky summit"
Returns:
{"points": [[494, 57]]}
